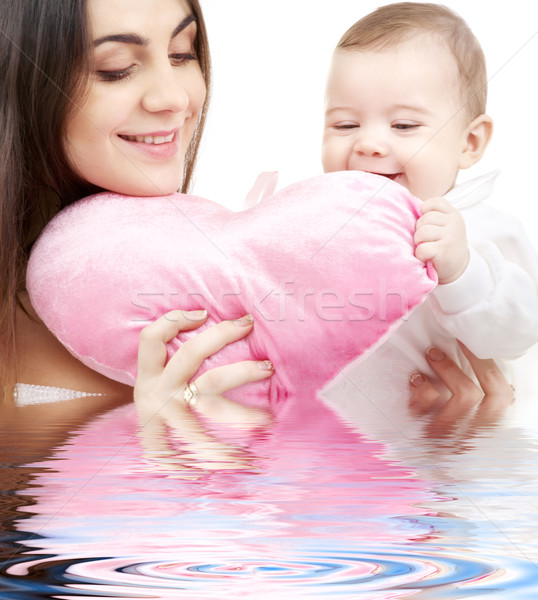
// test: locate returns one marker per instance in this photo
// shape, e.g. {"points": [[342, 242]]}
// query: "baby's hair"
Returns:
{"points": [[390, 25]]}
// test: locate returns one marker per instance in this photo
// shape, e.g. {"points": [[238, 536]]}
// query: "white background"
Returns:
{"points": [[270, 61]]}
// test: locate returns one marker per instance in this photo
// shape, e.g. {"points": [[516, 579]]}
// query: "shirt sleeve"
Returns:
{"points": [[493, 307]]}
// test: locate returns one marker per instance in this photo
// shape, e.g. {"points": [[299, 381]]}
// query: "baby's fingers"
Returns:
{"points": [[441, 205], [427, 251], [433, 218], [428, 233]]}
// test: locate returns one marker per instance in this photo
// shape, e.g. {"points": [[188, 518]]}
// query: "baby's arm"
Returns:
{"points": [[492, 307]]}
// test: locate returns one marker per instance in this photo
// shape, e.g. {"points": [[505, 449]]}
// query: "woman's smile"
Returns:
{"points": [[153, 138], [158, 145], [133, 130]]}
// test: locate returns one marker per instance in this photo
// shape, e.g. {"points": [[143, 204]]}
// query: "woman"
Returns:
{"points": [[96, 75], [103, 94]]}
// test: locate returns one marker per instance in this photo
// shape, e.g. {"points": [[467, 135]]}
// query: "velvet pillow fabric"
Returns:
{"points": [[325, 266]]}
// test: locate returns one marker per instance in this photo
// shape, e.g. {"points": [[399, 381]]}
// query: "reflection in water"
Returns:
{"points": [[306, 508]]}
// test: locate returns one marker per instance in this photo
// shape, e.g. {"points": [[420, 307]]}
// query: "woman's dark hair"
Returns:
{"points": [[204, 59], [45, 51]]}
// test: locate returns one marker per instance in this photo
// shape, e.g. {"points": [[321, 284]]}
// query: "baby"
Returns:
{"points": [[406, 99]]}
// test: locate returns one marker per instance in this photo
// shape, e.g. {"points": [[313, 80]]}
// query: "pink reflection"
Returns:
{"points": [[312, 485]]}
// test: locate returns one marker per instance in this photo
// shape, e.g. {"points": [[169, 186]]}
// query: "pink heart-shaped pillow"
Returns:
{"points": [[325, 266]]}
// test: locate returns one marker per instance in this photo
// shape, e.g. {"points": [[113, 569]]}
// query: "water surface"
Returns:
{"points": [[311, 506]]}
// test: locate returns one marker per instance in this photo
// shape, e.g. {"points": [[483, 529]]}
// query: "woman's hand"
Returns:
{"points": [[159, 393], [472, 405]]}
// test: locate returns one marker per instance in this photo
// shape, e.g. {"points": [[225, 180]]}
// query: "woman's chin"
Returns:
{"points": [[148, 188]]}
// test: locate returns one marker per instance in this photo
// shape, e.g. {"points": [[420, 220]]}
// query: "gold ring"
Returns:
{"points": [[190, 394]]}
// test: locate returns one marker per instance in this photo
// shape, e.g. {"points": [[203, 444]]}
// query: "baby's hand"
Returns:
{"points": [[440, 236]]}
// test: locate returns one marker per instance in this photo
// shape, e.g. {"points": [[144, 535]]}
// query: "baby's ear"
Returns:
{"points": [[476, 140]]}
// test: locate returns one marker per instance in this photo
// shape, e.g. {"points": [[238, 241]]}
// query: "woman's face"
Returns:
{"points": [[131, 131]]}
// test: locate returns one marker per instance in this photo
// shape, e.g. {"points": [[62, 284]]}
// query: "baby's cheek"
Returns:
{"points": [[332, 156], [427, 186]]}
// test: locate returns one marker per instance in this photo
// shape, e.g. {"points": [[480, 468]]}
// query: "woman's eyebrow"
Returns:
{"points": [[124, 38], [183, 25], [133, 38]]}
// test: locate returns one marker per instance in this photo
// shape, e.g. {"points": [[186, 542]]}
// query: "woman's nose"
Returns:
{"points": [[166, 90]]}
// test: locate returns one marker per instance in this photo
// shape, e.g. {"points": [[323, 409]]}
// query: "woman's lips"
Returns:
{"points": [[161, 144]]}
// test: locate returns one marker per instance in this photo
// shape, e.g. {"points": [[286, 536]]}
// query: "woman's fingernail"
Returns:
{"points": [[435, 354], [198, 315], [244, 321], [266, 365], [416, 379]]}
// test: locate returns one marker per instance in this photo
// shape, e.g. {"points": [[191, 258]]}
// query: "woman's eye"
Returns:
{"points": [[116, 75], [182, 58]]}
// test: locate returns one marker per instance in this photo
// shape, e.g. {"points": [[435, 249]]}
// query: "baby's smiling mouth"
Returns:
{"points": [[392, 176]]}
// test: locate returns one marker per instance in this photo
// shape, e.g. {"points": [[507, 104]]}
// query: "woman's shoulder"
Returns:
{"points": [[44, 366]]}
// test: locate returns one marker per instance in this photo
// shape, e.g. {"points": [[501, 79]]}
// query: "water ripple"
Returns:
{"points": [[371, 575]]}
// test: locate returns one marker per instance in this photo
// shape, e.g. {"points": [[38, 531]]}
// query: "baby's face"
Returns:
{"points": [[398, 113]]}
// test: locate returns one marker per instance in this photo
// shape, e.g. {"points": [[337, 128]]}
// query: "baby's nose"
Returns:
{"points": [[370, 144]]}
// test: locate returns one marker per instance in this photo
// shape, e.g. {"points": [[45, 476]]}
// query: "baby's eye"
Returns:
{"points": [[405, 126], [116, 75], [349, 125]]}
